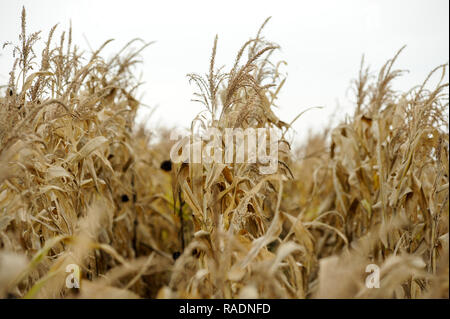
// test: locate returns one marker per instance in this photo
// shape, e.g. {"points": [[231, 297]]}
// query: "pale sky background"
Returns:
{"points": [[322, 41]]}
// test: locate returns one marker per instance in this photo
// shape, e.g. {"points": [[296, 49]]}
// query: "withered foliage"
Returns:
{"points": [[80, 183]]}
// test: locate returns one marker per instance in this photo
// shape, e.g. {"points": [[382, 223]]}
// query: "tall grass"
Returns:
{"points": [[80, 183]]}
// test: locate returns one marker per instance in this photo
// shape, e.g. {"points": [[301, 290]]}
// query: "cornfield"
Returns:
{"points": [[81, 183]]}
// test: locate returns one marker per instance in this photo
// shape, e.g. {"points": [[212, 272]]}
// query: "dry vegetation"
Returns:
{"points": [[80, 183]]}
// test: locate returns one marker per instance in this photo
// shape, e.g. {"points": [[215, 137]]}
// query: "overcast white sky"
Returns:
{"points": [[322, 41]]}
